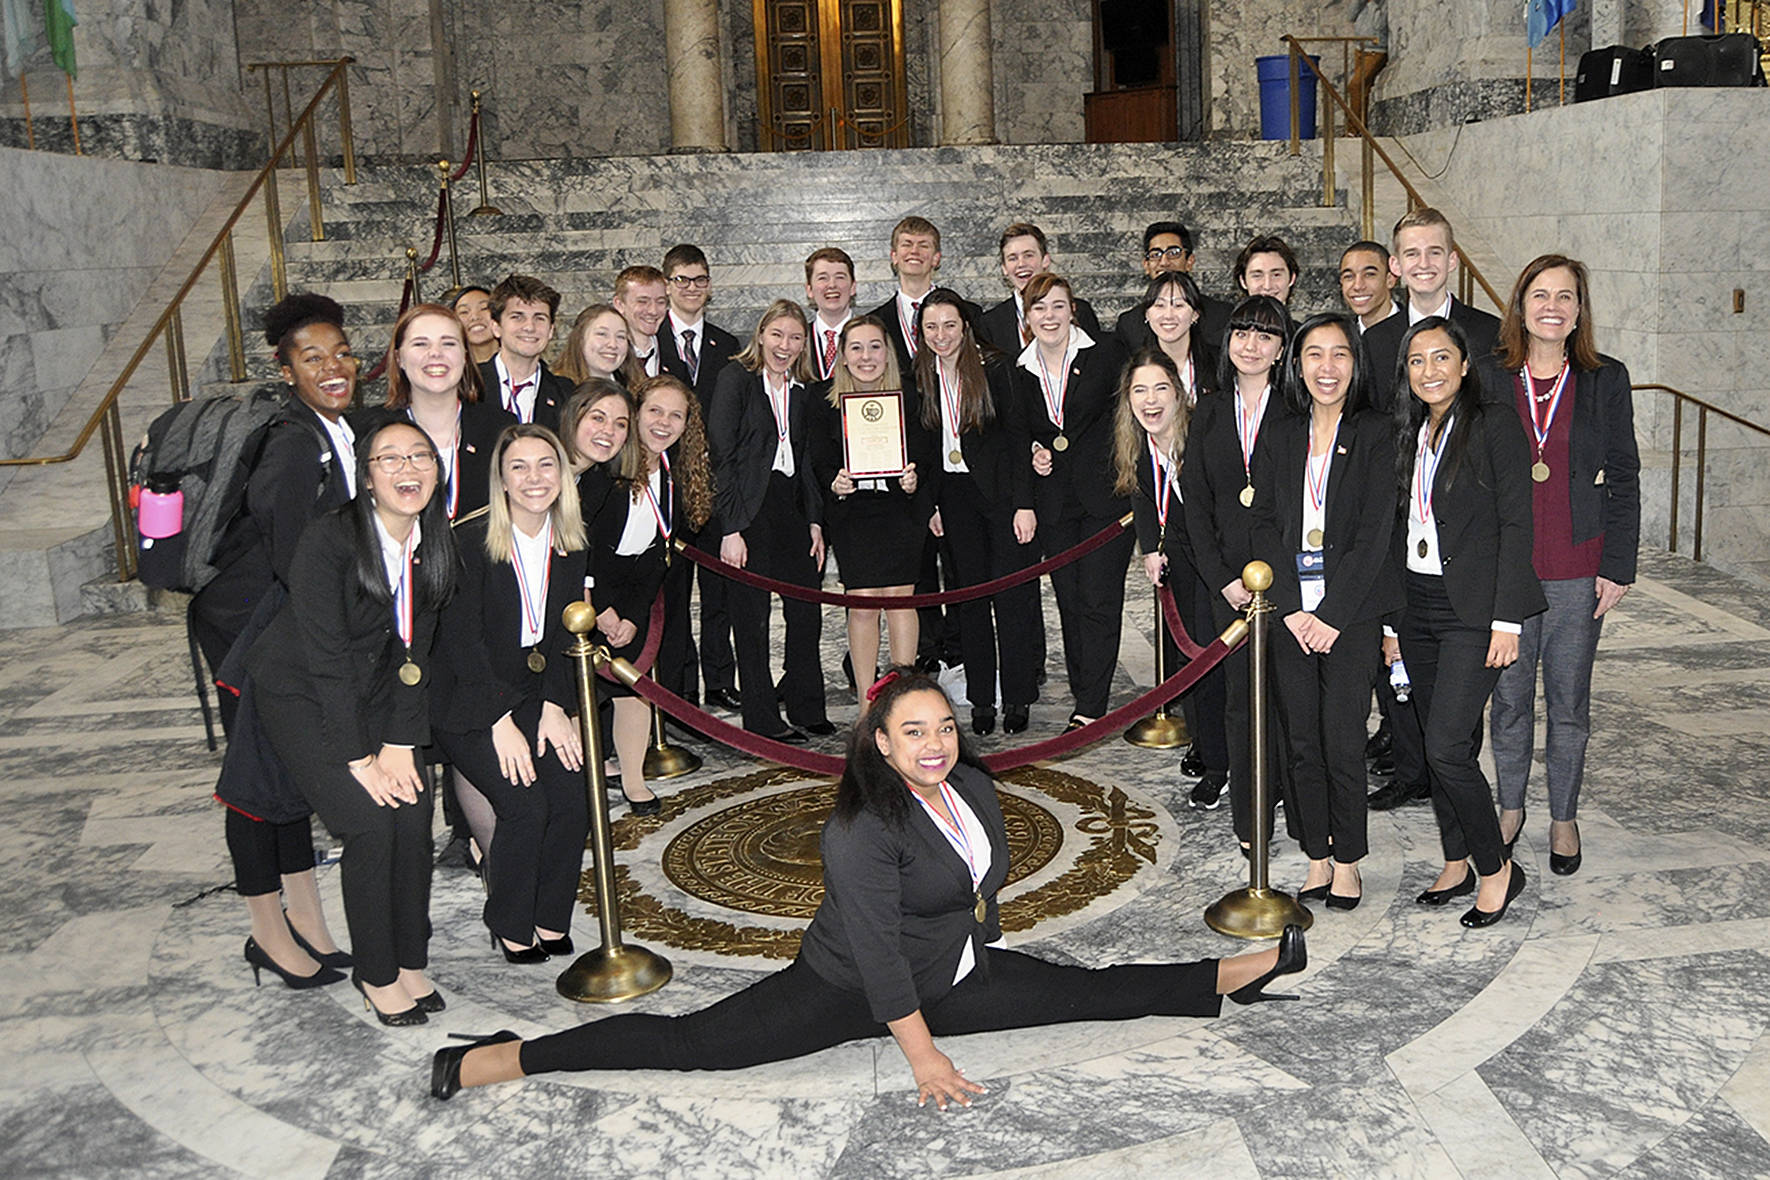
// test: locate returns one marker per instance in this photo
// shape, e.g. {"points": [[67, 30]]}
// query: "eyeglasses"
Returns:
{"points": [[393, 464], [694, 281], [1160, 252]]}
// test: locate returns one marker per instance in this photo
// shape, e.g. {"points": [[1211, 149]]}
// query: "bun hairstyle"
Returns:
{"points": [[295, 312], [868, 782]]}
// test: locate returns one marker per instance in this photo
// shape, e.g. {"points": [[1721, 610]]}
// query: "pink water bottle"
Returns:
{"points": [[162, 510]]}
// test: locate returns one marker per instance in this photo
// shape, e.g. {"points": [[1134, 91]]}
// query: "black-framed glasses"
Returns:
{"points": [[393, 464], [1158, 253], [695, 282]]}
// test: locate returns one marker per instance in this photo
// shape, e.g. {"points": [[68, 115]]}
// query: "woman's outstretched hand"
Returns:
{"points": [[935, 1076]]}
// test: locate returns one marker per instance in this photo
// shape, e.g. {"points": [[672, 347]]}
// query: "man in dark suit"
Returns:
{"points": [[915, 257], [829, 290], [1167, 248], [697, 349], [1425, 260], [1365, 282], [640, 297], [1024, 252], [523, 311]]}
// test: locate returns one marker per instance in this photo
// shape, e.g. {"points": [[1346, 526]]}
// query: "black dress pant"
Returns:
{"points": [[1447, 659], [1203, 704], [537, 849], [385, 867], [796, 1011], [678, 665], [1090, 605], [779, 544], [1324, 700], [980, 537], [717, 663]]}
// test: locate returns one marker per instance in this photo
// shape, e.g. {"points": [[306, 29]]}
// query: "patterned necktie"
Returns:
{"points": [[689, 355], [915, 306], [516, 392], [829, 351]]}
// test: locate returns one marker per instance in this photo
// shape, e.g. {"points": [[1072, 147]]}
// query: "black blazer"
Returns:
{"points": [[1211, 479], [1133, 330], [628, 583], [1000, 325], [482, 671], [1172, 541], [335, 647], [826, 454], [1357, 549], [1604, 472], [549, 398], [741, 436], [1382, 343], [481, 424], [717, 346], [897, 905], [1082, 474], [997, 454], [1482, 506], [886, 313]]}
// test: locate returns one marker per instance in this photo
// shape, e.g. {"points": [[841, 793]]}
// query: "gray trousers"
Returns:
{"points": [[1564, 640]]}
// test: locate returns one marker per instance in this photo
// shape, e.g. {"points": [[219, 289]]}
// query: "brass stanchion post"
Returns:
{"points": [[613, 971], [485, 207], [448, 212], [663, 760], [1258, 911], [412, 275], [1159, 731]]}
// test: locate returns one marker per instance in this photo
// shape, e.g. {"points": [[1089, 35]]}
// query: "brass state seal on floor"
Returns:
{"points": [[759, 854]]}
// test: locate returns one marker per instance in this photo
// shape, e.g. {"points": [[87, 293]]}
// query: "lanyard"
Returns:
{"points": [[534, 606], [1248, 430], [1164, 484], [402, 596], [1539, 421], [954, 831], [663, 513], [1426, 467], [1054, 407], [950, 394], [779, 407], [1318, 484]]}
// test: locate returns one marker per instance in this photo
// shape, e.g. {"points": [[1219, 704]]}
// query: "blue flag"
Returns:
{"points": [[1541, 17]]}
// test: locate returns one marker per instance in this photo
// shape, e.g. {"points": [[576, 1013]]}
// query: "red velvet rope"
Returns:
{"points": [[1171, 613], [829, 765], [442, 198], [906, 601], [472, 146]]}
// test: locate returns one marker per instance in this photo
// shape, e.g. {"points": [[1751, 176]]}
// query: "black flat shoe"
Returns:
{"points": [[1462, 888], [1523, 814], [1293, 956], [1477, 918], [261, 961], [1398, 795], [1015, 719], [790, 737], [558, 947], [820, 728], [983, 720], [445, 1067], [1345, 901], [403, 1019], [724, 698], [526, 956], [334, 959], [431, 1004], [1313, 893], [1076, 721], [645, 806], [1191, 765]]}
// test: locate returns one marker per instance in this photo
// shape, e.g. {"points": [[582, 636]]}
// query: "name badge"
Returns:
{"points": [[1312, 577]]}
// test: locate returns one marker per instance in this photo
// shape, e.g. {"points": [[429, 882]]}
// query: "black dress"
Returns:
{"points": [[878, 531], [628, 583]]}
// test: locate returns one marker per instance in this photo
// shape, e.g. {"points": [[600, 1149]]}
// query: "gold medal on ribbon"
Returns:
{"points": [[1060, 443], [1314, 538], [1247, 496], [537, 661], [1539, 471], [980, 911], [1424, 548], [956, 455], [410, 674]]}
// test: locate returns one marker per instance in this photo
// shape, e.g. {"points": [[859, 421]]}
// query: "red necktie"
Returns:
{"points": [[829, 351]]}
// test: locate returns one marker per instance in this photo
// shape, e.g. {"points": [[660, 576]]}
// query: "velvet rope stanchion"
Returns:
{"points": [[909, 601], [1160, 730]]}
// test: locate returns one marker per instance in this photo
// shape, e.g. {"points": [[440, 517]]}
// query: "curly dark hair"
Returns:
{"points": [[868, 782], [295, 312]]}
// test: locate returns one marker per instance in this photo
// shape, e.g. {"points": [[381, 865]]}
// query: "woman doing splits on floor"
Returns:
{"points": [[504, 691], [343, 675], [1586, 505], [1463, 474], [907, 940]]}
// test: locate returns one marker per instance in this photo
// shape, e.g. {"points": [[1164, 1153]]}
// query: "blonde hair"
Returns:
{"points": [[781, 309], [1128, 434], [841, 380], [568, 521]]}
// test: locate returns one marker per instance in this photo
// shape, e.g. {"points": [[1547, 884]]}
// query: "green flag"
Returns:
{"points": [[59, 17]]}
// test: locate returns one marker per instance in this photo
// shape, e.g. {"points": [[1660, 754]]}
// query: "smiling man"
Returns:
{"points": [[1424, 258], [829, 289], [1167, 249], [1024, 251], [523, 309], [642, 299], [915, 258], [1364, 283]]}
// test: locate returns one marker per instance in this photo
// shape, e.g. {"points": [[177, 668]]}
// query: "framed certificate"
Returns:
{"points": [[873, 441]]}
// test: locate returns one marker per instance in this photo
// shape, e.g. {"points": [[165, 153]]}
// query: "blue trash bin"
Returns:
{"points": [[1275, 96]]}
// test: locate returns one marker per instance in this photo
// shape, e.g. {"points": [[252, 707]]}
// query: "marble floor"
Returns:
{"points": [[1615, 1024]]}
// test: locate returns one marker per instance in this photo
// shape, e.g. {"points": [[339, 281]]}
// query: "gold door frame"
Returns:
{"points": [[832, 127]]}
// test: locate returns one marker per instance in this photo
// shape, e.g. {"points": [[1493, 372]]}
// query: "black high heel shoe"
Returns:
{"points": [[1523, 815], [1462, 888], [557, 947], [983, 720], [261, 961], [1477, 918], [431, 1004], [527, 955], [1568, 865], [405, 1018], [445, 1067], [334, 959], [1293, 956]]}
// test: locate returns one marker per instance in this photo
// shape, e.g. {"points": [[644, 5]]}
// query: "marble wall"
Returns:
{"points": [[1652, 192], [1236, 36], [100, 230], [1044, 63], [157, 82]]}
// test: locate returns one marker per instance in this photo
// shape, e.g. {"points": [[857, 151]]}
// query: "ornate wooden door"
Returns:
{"points": [[830, 74]]}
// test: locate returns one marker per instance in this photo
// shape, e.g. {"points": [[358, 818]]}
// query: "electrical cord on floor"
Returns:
{"points": [[224, 887]]}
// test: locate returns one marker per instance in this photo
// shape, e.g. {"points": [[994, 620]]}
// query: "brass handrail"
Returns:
{"points": [[170, 324], [1471, 275], [1703, 410]]}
